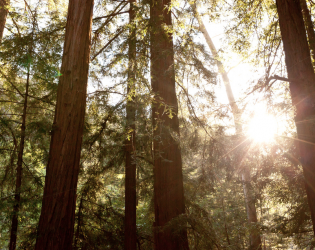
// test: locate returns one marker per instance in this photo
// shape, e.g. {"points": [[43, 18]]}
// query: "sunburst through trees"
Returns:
{"points": [[157, 124]]}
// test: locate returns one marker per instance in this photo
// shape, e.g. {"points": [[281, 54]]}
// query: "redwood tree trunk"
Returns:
{"points": [[130, 177], [56, 223], [3, 15], [19, 167], [302, 88], [309, 27], [168, 177]]}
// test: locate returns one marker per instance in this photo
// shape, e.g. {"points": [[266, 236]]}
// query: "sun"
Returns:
{"points": [[262, 127]]}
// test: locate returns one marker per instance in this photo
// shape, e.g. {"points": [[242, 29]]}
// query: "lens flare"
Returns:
{"points": [[262, 127]]}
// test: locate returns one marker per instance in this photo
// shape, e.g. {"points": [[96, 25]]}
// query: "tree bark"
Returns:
{"points": [[309, 27], [168, 176], [19, 167], [302, 88], [255, 239], [56, 224], [3, 15], [130, 175]]}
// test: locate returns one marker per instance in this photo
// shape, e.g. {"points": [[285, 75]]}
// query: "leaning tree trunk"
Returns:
{"points": [[309, 27], [56, 224], [168, 176], [19, 167], [4, 4], [130, 177], [255, 239], [302, 87]]}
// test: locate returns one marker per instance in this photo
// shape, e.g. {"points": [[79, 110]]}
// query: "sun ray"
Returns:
{"points": [[296, 139], [243, 157], [234, 148]]}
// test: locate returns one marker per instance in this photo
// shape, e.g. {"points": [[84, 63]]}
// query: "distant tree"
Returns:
{"points": [[19, 167], [130, 147], [255, 240], [168, 178]]}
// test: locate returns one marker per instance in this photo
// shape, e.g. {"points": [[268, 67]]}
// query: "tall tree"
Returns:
{"points": [[19, 167], [130, 175], [255, 239], [56, 223], [3, 15], [309, 27], [302, 88], [168, 177]]}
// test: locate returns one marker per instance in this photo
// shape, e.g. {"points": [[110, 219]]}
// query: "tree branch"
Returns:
{"points": [[107, 44], [114, 14]]}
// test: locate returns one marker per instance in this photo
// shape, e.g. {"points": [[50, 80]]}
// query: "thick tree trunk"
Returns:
{"points": [[309, 27], [3, 15], [56, 223], [19, 167], [255, 239], [130, 177], [168, 177], [302, 88]]}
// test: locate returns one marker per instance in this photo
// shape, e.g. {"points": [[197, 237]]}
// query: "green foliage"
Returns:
{"points": [[213, 158]]}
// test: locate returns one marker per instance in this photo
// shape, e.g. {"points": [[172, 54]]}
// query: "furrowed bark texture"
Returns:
{"points": [[19, 167], [309, 27], [168, 177], [3, 15], [56, 223], [302, 88], [255, 239], [130, 174]]}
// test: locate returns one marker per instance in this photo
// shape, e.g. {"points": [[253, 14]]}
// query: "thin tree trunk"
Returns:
{"points": [[235, 110], [17, 196], [302, 88], [4, 4], [77, 234], [309, 27], [255, 239], [56, 224], [168, 176], [130, 178], [225, 226]]}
